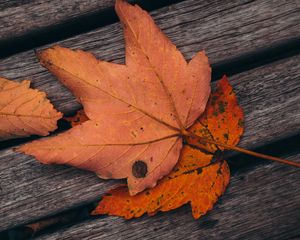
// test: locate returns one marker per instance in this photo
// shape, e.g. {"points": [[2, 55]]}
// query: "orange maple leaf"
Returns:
{"points": [[196, 178], [24, 111], [137, 112]]}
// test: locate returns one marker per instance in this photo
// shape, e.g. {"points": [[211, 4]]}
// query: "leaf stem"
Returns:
{"points": [[242, 150]]}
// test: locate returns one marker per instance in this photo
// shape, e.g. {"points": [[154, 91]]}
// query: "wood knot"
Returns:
{"points": [[139, 169]]}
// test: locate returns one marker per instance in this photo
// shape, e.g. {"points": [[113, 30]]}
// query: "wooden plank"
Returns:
{"points": [[22, 17], [270, 96], [225, 29], [262, 203]]}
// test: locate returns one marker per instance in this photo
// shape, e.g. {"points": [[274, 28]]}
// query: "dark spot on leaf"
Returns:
{"points": [[188, 172], [199, 170], [214, 99], [219, 172], [221, 107], [133, 134], [225, 135], [139, 169]]}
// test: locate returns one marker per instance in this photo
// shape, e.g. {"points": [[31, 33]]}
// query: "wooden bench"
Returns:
{"points": [[255, 42]]}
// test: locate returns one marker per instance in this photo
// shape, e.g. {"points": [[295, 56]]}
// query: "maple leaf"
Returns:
{"points": [[137, 112], [196, 178], [24, 111]]}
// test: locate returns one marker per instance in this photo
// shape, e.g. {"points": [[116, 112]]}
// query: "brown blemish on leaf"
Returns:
{"points": [[221, 107], [139, 169], [213, 100], [226, 135]]}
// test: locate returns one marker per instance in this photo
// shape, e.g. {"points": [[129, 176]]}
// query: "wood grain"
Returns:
{"points": [[22, 17], [225, 29], [262, 203], [270, 96]]}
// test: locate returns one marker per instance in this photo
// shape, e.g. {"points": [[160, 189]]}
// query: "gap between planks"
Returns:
{"points": [[36, 23]]}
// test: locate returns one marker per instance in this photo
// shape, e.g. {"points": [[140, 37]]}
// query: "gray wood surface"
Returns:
{"points": [[225, 29], [261, 203], [270, 96], [22, 17]]}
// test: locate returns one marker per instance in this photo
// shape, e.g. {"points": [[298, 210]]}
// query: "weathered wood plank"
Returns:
{"points": [[22, 17], [262, 203], [224, 29], [270, 96]]}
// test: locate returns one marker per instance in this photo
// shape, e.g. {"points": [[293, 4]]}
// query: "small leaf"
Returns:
{"points": [[24, 111]]}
